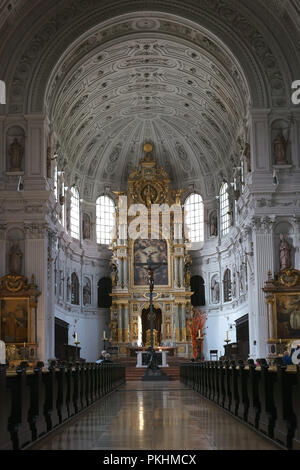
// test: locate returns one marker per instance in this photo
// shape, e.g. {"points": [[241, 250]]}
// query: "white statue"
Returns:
{"points": [[285, 253]]}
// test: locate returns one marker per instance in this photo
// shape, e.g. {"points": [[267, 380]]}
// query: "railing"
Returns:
{"points": [[33, 402], [266, 398]]}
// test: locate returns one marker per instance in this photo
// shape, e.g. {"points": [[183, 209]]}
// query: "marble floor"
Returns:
{"points": [[150, 416]]}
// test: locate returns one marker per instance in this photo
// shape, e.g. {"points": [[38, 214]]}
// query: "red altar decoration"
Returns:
{"points": [[198, 323]]}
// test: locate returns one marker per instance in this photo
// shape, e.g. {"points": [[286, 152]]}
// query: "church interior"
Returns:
{"points": [[149, 220]]}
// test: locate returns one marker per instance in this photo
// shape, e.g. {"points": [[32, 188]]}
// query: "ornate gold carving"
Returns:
{"points": [[290, 277]]}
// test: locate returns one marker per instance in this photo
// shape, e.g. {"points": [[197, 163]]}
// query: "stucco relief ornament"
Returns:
{"points": [[213, 224], [16, 153], [114, 274]]}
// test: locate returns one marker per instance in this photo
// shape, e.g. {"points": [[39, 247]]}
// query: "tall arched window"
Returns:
{"points": [[74, 214], [227, 286], [74, 289], [105, 219], [224, 209], [194, 217], [197, 286], [104, 289]]}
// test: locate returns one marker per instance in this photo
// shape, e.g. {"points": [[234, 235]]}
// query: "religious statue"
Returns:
{"points": [[187, 271], [114, 274], [280, 145], [114, 330], [15, 256], [234, 285], [149, 195], [213, 226], [215, 287], [15, 152], [152, 360], [285, 253], [86, 227], [87, 293]]}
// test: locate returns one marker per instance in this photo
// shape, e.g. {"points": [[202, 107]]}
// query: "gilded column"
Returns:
{"points": [[175, 271], [120, 324], [183, 323], [181, 271], [176, 322], [125, 272], [126, 324]]}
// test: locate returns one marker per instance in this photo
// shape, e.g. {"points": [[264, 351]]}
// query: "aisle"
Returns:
{"points": [[153, 416]]}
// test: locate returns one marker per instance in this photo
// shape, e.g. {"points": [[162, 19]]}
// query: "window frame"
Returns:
{"points": [[194, 220], [224, 205], [75, 216], [104, 230]]}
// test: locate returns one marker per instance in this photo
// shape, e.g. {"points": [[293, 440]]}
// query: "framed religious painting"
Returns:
{"points": [[287, 315], [157, 252], [15, 320]]}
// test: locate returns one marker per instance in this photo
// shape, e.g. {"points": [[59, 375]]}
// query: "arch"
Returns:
{"points": [[198, 287], [74, 289], [227, 288], [194, 217], [104, 289], [211, 19], [105, 219]]}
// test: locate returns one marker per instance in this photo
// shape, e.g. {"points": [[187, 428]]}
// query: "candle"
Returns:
{"points": [[227, 335], [24, 344], [76, 337], [104, 335], [199, 334]]}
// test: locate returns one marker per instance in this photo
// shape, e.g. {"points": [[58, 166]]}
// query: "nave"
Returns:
{"points": [[154, 416]]}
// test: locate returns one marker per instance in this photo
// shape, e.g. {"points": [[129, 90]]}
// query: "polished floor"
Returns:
{"points": [[150, 416]]}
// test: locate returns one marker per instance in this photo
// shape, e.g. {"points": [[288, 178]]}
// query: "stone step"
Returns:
{"points": [[134, 373]]}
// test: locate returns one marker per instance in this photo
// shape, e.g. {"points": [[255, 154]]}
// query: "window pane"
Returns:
{"points": [[74, 216], [105, 219], [224, 209], [194, 217]]}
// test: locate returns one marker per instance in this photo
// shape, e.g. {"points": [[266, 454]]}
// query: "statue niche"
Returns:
{"points": [[15, 257]]}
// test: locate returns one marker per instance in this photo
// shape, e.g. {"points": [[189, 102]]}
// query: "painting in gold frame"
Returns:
{"points": [[14, 320], [287, 315], [157, 250]]}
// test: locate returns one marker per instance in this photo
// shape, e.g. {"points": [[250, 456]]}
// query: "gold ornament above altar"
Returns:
{"points": [[149, 183]]}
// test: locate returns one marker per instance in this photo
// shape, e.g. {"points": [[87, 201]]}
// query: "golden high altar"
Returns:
{"points": [[142, 233]]}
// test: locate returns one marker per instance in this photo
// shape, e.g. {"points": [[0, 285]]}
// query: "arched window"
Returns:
{"points": [[105, 219], [197, 286], [194, 217], [74, 214], [104, 289], [224, 209], [227, 286], [74, 289]]}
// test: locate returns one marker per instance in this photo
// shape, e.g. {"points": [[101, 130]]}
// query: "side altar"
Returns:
{"points": [[150, 227]]}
